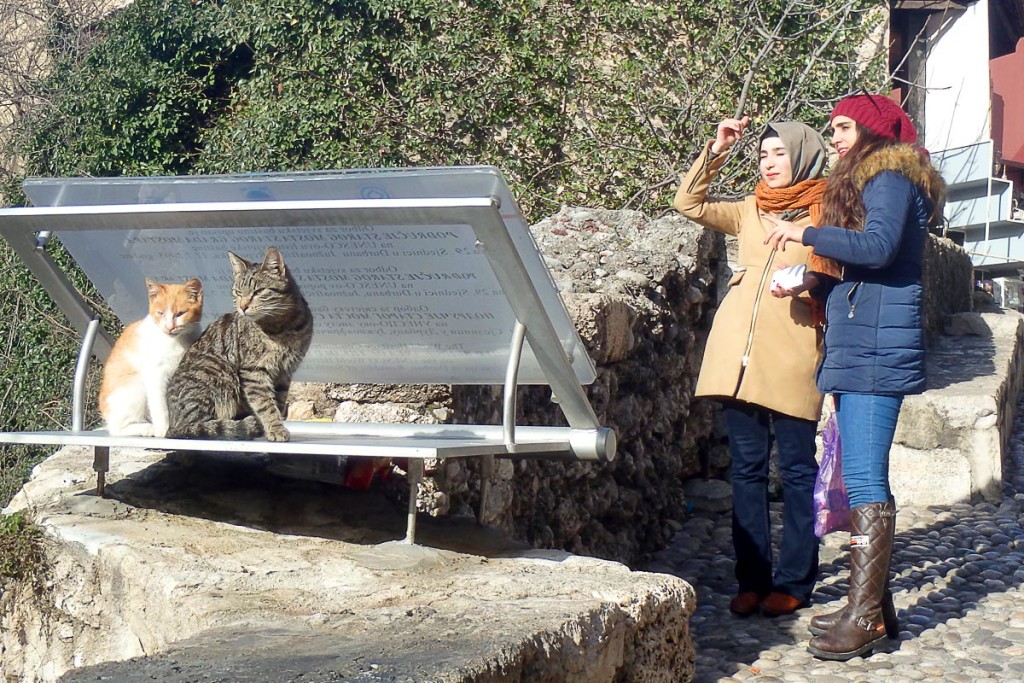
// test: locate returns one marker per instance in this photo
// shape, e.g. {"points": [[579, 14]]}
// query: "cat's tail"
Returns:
{"points": [[234, 430]]}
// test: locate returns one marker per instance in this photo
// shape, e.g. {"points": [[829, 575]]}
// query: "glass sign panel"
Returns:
{"points": [[392, 303]]}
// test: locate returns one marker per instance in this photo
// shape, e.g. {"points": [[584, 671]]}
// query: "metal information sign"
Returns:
{"points": [[394, 300]]}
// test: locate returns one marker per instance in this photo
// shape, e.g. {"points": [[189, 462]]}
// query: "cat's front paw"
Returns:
{"points": [[133, 429], [278, 433]]}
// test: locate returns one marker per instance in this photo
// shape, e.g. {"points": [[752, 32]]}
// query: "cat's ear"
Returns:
{"points": [[154, 288], [194, 289], [274, 262], [238, 264]]}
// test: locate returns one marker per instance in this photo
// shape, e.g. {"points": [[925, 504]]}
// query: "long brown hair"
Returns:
{"points": [[843, 203]]}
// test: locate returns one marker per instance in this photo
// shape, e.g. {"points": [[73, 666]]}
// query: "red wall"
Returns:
{"points": [[1008, 105]]}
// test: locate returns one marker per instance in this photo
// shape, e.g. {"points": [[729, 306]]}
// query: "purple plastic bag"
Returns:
{"points": [[831, 504]]}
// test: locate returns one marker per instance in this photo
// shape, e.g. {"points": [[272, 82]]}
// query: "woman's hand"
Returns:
{"points": [[729, 132], [782, 232], [810, 282]]}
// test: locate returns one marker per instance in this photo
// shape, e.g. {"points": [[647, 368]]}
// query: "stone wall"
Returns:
{"points": [[948, 283], [640, 291], [950, 440], [203, 568]]}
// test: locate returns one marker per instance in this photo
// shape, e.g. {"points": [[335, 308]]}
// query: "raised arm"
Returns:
{"points": [[691, 198], [887, 201]]}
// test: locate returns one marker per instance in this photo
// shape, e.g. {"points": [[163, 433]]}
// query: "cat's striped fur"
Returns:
{"points": [[233, 382]]}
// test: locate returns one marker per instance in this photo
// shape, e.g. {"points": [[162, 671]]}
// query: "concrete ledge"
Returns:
{"points": [[209, 565], [950, 440]]}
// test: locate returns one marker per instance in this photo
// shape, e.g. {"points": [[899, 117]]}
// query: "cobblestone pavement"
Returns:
{"points": [[958, 575]]}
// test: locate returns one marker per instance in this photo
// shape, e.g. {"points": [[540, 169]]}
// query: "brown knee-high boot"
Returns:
{"points": [[862, 624], [822, 623]]}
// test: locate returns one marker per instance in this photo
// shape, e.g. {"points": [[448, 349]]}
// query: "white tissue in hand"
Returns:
{"points": [[788, 278]]}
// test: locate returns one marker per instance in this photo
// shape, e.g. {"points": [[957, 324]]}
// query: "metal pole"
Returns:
{"points": [[415, 475], [101, 465], [486, 472], [81, 373], [508, 420]]}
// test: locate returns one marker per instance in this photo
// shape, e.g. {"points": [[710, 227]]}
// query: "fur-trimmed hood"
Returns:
{"points": [[910, 163]]}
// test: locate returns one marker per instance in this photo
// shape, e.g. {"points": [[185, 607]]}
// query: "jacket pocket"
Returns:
{"points": [[737, 275]]}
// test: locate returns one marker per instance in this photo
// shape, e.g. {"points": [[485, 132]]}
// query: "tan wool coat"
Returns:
{"points": [[762, 349]]}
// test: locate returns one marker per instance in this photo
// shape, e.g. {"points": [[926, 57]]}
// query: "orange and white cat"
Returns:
{"points": [[133, 394]]}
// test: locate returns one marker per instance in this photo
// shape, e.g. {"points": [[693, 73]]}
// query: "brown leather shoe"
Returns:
{"points": [[745, 604], [823, 623], [778, 604]]}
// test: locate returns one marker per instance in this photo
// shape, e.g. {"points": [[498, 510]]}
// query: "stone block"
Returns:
{"points": [[605, 325], [949, 441], [966, 324], [241, 576], [937, 476]]}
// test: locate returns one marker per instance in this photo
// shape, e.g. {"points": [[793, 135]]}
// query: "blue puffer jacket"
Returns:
{"points": [[874, 340]]}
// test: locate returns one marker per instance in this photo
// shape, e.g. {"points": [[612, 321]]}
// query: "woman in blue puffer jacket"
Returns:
{"points": [[880, 199]]}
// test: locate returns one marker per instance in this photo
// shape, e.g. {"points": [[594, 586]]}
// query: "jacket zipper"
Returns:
{"points": [[849, 299], [824, 323], [753, 316]]}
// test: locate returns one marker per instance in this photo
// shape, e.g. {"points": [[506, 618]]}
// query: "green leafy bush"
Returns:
{"points": [[579, 103], [38, 350], [22, 558]]}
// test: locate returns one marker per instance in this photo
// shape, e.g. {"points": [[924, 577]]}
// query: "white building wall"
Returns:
{"points": [[958, 103]]}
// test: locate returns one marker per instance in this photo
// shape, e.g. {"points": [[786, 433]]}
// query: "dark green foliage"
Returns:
{"points": [[38, 350], [22, 558], [586, 103], [581, 103]]}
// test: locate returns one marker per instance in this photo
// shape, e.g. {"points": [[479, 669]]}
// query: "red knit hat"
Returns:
{"points": [[880, 115]]}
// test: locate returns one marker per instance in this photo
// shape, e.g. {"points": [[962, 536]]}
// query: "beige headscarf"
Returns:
{"points": [[805, 146], [808, 156]]}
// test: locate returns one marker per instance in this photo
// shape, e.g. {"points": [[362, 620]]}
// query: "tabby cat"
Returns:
{"points": [[233, 383], [133, 398]]}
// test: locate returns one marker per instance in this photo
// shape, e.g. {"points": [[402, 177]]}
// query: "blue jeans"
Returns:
{"points": [[867, 423], [750, 444]]}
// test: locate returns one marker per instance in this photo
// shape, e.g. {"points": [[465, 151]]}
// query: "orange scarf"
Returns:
{"points": [[804, 196], [794, 202]]}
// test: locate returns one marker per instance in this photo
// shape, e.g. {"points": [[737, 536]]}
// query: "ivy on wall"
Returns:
{"points": [[577, 103], [596, 103]]}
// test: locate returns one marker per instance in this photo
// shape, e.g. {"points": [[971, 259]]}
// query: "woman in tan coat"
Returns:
{"points": [[762, 353]]}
